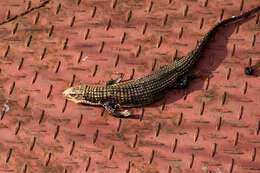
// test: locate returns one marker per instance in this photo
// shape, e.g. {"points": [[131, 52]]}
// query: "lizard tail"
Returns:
{"points": [[243, 15], [246, 14], [189, 60]]}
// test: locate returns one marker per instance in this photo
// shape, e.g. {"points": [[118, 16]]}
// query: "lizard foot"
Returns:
{"points": [[110, 107], [115, 81], [126, 113], [183, 82]]}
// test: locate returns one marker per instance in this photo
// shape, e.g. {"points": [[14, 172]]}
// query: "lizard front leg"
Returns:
{"points": [[110, 107], [115, 81]]}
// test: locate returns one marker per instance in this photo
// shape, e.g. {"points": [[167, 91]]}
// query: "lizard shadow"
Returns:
{"points": [[211, 58]]}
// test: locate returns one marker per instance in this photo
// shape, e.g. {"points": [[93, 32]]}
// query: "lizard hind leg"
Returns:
{"points": [[110, 107], [183, 81]]}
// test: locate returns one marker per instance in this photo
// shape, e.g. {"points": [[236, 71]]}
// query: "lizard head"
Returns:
{"points": [[75, 94]]}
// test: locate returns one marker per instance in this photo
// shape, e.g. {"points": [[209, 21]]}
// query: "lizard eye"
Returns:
{"points": [[72, 95]]}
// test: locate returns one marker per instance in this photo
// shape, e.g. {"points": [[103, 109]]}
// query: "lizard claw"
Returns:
{"points": [[125, 113]]}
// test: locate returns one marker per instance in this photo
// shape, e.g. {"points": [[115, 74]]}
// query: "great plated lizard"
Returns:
{"points": [[148, 88]]}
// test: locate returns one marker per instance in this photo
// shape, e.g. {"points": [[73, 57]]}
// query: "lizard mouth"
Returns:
{"points": [[73, 94]]}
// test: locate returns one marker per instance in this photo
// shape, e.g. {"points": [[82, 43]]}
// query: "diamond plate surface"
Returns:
{"points": [[48, 46]]}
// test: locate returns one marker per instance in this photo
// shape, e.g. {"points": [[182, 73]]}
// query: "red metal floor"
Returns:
{"points": [[48, 46]]}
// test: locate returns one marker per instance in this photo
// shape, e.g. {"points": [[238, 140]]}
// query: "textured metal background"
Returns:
{"points": [[48, 46]]}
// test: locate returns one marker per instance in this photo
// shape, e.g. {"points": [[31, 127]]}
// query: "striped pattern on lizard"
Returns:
{"points": [[148, 88]]}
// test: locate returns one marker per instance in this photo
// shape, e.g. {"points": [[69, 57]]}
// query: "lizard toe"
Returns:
{"points": [[126, 113]]}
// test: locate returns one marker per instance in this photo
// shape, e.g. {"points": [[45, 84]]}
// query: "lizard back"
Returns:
{"points": [[149, 88]]}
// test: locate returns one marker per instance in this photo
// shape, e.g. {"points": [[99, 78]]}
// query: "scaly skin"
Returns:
{"points": [[149, 88]]}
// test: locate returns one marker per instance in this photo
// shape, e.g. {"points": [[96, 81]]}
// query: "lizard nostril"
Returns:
{"points": [[66, 92]]}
